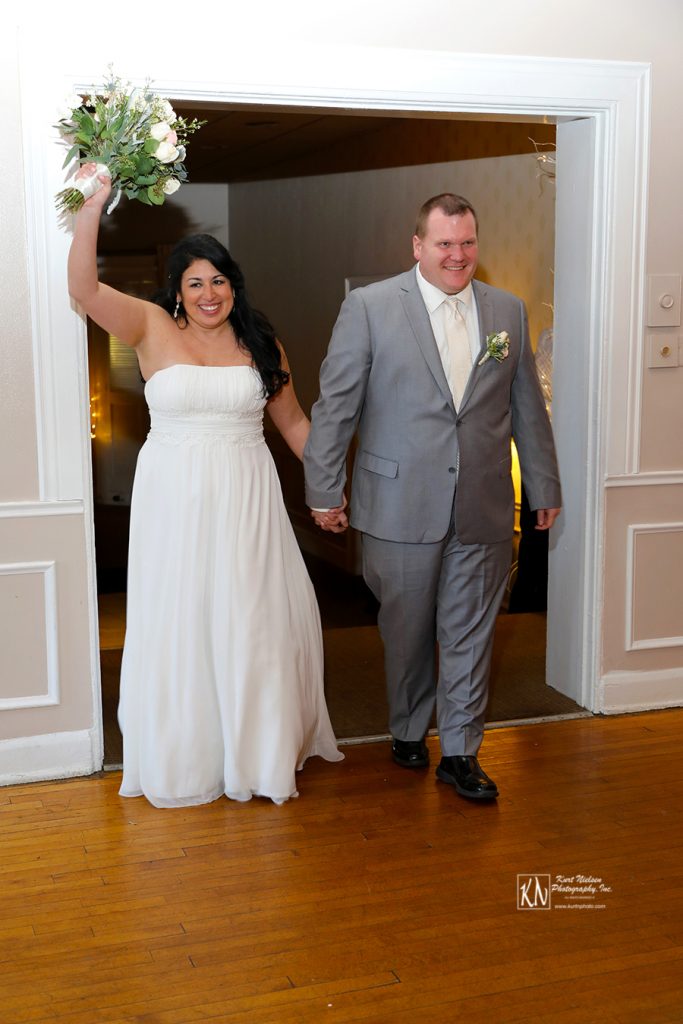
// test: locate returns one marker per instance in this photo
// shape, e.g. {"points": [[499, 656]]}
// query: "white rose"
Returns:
{"points": [[159, 130], [171, 185], [166, 153], [167, 111]]}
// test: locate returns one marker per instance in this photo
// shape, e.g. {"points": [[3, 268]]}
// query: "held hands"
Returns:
{"points": [[334, 520]]}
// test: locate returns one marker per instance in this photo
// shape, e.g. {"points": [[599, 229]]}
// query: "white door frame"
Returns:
{"points": [[604, 236]]}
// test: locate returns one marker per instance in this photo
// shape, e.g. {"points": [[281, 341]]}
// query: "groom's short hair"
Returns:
{"points": [[450, 204]]}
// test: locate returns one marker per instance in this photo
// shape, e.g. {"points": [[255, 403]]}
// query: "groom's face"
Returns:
{"points": [[448, 251]]}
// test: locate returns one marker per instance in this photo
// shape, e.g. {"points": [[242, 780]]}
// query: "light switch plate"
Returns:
{"points": [[664, 300], [663, 350]]}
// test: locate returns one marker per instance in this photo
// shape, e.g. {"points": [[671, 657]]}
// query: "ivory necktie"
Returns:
{"points": [[458, 348]]}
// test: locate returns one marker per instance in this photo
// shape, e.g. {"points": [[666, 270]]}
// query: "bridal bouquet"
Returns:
{"points": [[133, 136]]}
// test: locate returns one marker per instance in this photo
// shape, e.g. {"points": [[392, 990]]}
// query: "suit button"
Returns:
{"points": [[451, 469]]}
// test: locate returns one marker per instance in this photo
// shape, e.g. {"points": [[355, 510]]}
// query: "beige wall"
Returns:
{"points": [[614, 29]]}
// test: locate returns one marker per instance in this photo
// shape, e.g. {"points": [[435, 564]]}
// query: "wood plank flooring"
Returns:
{"points": [[378, 896]]}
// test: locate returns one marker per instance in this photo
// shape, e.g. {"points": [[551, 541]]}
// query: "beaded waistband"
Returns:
{"points": [[240, 430]]}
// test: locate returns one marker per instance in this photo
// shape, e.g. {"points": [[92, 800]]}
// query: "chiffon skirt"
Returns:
{"points": [[222, 673]]}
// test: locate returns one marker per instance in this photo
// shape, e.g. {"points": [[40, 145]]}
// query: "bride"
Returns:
{"points": [[222, 672]]}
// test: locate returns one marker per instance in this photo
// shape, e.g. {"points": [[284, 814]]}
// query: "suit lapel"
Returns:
{"points": [[418, 317], [485, 315]]}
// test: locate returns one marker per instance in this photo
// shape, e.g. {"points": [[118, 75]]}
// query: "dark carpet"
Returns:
{"points": [[354, 680]]}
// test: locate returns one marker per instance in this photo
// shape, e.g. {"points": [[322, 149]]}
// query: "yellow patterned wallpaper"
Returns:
{"points": [[516, 208]]}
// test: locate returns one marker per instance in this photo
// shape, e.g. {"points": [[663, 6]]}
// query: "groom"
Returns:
{"points": [[435, 372]]}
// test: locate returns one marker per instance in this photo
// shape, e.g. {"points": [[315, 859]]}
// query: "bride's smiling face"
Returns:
{"points": [[206, 294]]}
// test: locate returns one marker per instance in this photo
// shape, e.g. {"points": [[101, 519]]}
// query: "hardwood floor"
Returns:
{"points": [[378, 896]]}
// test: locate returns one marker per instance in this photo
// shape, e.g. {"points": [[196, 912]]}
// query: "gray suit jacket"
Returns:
{"points": [[383, 377]]}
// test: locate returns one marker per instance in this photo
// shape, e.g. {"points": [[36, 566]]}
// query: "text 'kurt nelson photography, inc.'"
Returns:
{"points": [[561, 892]]}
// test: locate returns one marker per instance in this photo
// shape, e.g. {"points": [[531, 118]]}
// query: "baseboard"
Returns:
{"points": [[55, 756], [620, 692]]}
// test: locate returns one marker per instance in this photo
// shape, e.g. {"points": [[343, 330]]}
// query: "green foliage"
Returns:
{"points": [[155, 196]]}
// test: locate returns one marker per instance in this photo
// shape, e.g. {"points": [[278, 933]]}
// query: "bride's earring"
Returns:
{"points": [[175, 311]]}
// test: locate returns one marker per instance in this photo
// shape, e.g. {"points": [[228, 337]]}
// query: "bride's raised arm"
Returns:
{"points": [[124, 316]]}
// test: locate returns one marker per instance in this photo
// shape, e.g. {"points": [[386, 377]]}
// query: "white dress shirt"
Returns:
{"points": [[435, 300]]}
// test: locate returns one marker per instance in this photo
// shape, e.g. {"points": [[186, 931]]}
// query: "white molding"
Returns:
{"points": [[31, 509], [651, 643], [622, 691], [655, 643], [660, 478], [59, 341], [636, 335], [55, 756], [582, 252], [50, 697], [93, 610]]}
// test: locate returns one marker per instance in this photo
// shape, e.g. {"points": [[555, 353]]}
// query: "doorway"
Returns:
{"points": [[502, 154]]}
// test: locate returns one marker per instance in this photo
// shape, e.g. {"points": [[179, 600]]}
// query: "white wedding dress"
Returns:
{"points": [[222, 673]]}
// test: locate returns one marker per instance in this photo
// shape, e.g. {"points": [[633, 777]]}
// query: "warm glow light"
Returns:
{"points": [[93, 416], [516, 482]]}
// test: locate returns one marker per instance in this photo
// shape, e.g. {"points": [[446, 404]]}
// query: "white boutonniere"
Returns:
{"points": [[497, 347]]}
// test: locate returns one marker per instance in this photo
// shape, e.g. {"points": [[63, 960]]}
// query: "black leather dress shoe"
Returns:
{"points": [[469, 779], [410, 754]]}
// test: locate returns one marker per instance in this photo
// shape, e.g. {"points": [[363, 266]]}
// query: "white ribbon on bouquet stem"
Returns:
{"points": [[89, 184]]}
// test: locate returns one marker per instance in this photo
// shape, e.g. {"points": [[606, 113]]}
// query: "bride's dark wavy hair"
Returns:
{"points": [[253, 330]]}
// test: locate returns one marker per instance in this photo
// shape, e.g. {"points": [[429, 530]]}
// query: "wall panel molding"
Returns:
{"points": [[664, 478], [30, 509], [50, 695], [636, 530]]}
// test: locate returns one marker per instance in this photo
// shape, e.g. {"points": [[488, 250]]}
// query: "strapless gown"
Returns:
{"points": [[222, 673]]}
